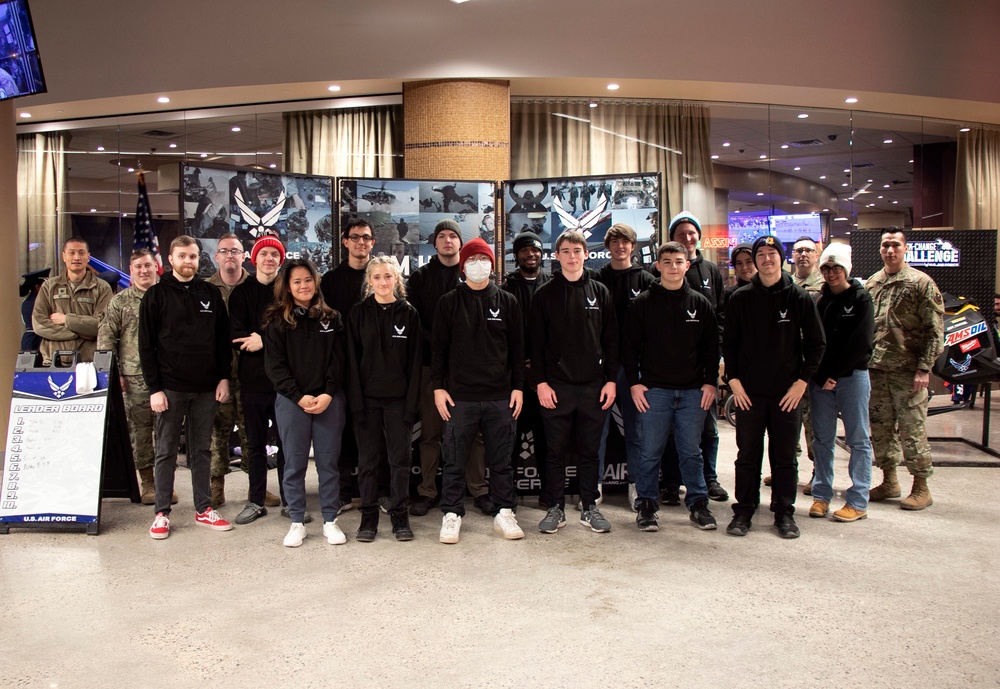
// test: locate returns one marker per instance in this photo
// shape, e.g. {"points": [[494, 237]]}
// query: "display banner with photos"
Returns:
{"points": [[216, 200], [404, 212], [961, 262]]}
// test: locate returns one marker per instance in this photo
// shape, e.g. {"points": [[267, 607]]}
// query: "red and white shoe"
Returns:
{"points": [[212, 520], [160, 528]]}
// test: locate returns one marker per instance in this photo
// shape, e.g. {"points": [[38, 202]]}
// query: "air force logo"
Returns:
{"points": [[586, 222], [59, 390], [692, 316], [206, 306], [495, 313], [325, 326], [400, 330], [960, 366], [783, 316], [257, 223]]}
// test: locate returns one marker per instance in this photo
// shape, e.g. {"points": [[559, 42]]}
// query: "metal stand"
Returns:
{"points": [[983, 446]]}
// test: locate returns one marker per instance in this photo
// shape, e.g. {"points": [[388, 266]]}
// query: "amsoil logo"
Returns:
{"points": [[964, 334]]}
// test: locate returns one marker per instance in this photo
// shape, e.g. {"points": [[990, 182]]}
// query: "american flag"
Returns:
{"points": [[144, 237]]}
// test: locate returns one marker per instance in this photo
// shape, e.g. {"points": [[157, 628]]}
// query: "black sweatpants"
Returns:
{"points": [[494, 420], [783, 433], [574, 428]]}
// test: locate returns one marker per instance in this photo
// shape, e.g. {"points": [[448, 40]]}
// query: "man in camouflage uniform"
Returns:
{"points": [[119, 332], [805, 255], [909, 332], [229, 256]]}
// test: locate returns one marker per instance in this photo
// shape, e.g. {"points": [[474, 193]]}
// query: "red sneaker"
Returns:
{"points": [[212, 520], [160, 528]]}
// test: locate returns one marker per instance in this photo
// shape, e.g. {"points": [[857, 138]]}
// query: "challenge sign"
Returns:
{"points": [[937, 254]]}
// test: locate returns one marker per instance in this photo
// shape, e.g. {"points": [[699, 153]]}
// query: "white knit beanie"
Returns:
{"points": [[837, 254]]}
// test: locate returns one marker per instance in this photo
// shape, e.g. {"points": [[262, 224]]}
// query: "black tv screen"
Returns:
{"points": [[20, 68]]}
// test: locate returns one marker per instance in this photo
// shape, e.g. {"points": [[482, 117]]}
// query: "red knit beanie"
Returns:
{"points": [[269, 241]]}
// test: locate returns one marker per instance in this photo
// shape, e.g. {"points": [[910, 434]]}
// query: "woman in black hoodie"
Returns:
{"points": [[383, 373], [303, 356]]}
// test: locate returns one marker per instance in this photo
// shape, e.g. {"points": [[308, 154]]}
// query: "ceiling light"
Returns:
{"points": [[911, 162], [100, 148], [871, 205], [796, 168], [847, 169], [203, 155], [93, 210], [25, 115], [763, 155], [887, 141], [760, 193], [795, 203], [844, 184], [895, 201], [592, 104], [802, 115], [870, 181], [822, 176], [784, 145], [880, 196], [131, 169], [965, 129], [459, 2], [611, 87], [839, 219], [852, 99], [272, 165], [726, 144], [336, 88], [162, 99], [826, 210], [885, 186], [172, 146], [715, 157], [236, 129]]}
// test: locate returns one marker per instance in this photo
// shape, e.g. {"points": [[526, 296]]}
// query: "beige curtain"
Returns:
{"points": [[42, 220], [355, 142], [977, 180], [552, 139]]}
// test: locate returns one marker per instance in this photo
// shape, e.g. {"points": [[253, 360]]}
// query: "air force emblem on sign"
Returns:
{"points": [[586, 222], [257, 223], [960, 366], [59, 390]]}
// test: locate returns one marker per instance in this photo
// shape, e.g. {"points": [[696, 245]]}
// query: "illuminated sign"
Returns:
{"points": [[964, 334], [936, 254]]}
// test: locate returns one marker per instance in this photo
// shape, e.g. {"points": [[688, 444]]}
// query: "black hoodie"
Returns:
{"points": [[426, 285], [625, 286], [478, 344], [671, 340], [773, 337], [184, 336], [383, 355], [307, 359], [573, 332], [247, 303], [849, 323], [524, 290]]}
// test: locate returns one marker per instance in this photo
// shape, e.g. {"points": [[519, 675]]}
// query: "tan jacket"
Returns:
{"points": [[83, 303]]}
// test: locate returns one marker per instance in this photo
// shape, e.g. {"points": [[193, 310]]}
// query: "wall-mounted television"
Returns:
{"points": [[746, 227], [20, 67]]}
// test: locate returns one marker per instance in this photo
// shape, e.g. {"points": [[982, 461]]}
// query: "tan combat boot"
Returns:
{"points": [[920, 496], [888, 489], [218, 491], [147, 495]]}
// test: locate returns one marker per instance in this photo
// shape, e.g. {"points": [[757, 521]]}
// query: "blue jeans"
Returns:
{"points": [[680, 409], [324, 430], [850, 399], [633, 448]]}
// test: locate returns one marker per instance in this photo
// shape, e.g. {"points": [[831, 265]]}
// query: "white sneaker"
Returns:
{"points": [[506, 523], [633, 495], [450, 526], [334, 536], [296, 532]]}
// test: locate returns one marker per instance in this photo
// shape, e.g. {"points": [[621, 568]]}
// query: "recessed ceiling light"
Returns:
{"points": [[715, 157], [273, 165], [760, 193], [795, 203], [802, 115], [796, 168], [459, 2], [844, 184], [839, 219], [895, 201], [236, 129], [131, 169], [613, 87], [333, 88], [887, 141], [172, 146], [847, 169], [871, 205], [763, 155], [203, 155], [93, 210], [911, 162], [880, 196], [885, 186], [852, 99], [162, 99], [726, 144], [592, 104], [100, 148], [826, 210], [25, 115], [870, 181], [822, 176], [964, 129]]}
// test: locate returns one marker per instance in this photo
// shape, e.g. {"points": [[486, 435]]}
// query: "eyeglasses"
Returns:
{"points": [[803, 250], [231, 252], [358, 238], [479, 259]]}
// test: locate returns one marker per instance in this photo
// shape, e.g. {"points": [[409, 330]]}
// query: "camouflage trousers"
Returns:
{"points": [[228, 415], [898, 419], [140, 420]]}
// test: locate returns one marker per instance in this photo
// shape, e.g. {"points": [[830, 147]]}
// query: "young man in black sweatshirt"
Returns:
{"points": [[477, 369], [703, 277], [247, 304], [671, 354], [573, 337], [625, 281], [522, 283], [186, 361], [427, 284], [773, 342]]}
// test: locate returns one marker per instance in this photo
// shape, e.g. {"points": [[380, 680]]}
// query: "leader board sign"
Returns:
{"points": [[55, 444]]}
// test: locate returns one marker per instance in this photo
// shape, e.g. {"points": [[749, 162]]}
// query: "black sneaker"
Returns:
{"points": [[485, 505], [401, 526], [717, 492], [787, 528], [701, 517], [251, 512], [740, 526], [369, 526], [421, 506], [646, 517], [671, 496]]}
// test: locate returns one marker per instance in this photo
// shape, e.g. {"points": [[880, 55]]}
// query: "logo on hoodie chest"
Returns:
{"points": [[325, 326], [692, 316], [206, 306], [783, 316], [400, 332], [592, 304], [494, 315]]}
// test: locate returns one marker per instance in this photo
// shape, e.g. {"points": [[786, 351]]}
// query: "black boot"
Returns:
{"points": [[369, 525], [401, 526]]}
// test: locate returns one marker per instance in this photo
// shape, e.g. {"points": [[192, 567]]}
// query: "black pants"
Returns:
{"points": [[574, 428], [530, 420], [783, 433], [258, 408], [348, 463], [382, 434], [494, 421]]}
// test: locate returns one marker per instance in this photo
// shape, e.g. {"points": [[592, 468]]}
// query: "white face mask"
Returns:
{"points": [[478, 271]]}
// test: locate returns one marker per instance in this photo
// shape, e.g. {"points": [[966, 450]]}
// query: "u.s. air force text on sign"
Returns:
{"points": [[55, 444]]}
